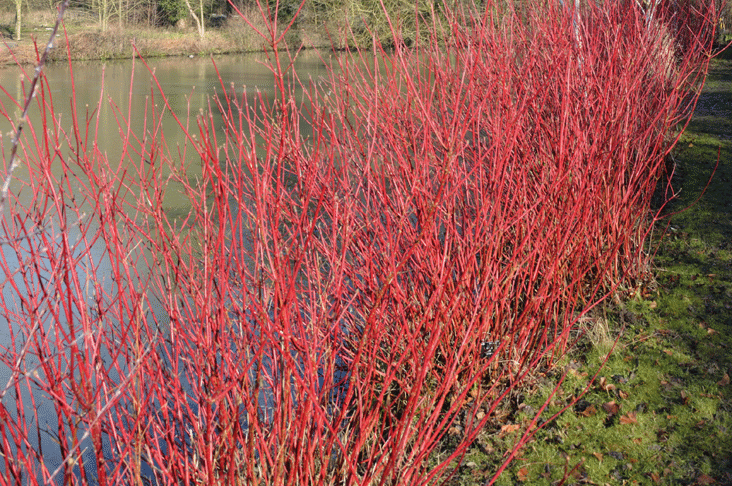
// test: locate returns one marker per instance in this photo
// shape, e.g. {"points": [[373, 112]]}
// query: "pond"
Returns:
{"points": [[104, 94], [104, 91]]}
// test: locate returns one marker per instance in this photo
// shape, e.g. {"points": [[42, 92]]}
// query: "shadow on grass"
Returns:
{"points": [[693, 313]]}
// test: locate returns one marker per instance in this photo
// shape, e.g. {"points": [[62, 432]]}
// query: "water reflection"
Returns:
{"points": [[121, 101], [112, 99], [126, 89]]}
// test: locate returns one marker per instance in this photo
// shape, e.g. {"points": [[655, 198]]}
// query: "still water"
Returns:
{"points": [[187, 82], [104, 94], [108, 93]]}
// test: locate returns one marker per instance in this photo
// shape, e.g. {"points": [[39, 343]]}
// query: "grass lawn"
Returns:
{"points": [[660, 410]]}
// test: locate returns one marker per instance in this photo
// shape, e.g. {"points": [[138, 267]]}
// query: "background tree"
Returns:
{"points": [[18, 17], [171, 11], [196, 11], [104, 14], [368, 18]]}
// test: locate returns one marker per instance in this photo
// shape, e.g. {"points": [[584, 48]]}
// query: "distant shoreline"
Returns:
{"points": [[89, 43]]}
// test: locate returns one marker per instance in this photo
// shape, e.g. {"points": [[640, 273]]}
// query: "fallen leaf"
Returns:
{"points": [[629, 418], [684, 397], [703, 479], [623, 394], [611, 408], [724, 381], [577, 374], [668, 351], [711, 331], [523, 474], [508, 429], [454, 431], [655, 478], [589, 411], [598, 456], [604, 385], [652, 304], [638, 440]]}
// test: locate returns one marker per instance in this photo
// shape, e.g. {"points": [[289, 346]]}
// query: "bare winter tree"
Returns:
{"points": [[198, 17]]}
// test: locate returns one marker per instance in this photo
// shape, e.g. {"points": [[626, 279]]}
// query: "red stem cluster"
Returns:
{"points": [[332, 305]]}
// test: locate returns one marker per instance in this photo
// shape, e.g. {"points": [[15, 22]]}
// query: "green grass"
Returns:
{"points": [[661, 409]]}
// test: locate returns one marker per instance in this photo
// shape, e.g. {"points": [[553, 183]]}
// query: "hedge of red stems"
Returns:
{"points": [[333, 304]]}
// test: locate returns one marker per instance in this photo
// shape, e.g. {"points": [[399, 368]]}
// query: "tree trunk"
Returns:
{"points": [[18, 23], [105, 15], [199, 21]]}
